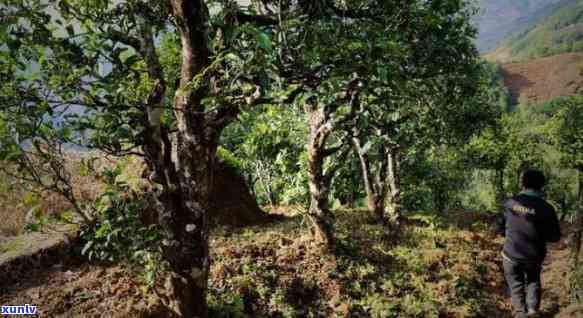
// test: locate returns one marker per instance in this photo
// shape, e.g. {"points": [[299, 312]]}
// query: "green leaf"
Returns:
{"points": [[70, 30], [130, 61], [33, 227], [383, 73], [232, 57], [87, 247], [264, 41]]}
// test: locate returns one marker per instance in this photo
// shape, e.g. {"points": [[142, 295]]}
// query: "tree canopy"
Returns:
{"points": [[319, 82]]}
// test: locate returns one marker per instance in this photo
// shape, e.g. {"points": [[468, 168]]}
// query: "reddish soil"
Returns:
{"points": [[265, 260], [555, 282], [79, 290], [555, 279], [546, 78]]}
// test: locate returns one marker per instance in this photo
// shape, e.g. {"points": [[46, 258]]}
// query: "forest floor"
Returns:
{"points": [[445, 266]]}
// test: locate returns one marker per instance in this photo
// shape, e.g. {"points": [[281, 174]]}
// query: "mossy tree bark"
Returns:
{"points": [[383, 183], [319, 183], [393, 211], [322, 122], [375, 189]]}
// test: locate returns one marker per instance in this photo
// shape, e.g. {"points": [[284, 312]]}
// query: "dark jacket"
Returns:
{"points": [[528, 223]]}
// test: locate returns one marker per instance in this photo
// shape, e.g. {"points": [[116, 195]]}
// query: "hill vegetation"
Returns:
{"points": [[560, 32]]}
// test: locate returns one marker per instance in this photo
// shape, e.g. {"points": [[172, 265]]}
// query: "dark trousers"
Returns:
{"points": [[524, 283]]}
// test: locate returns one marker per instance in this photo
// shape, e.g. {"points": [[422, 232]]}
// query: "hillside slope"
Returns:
{"points": [[560, 32], [543, 79], [499, 19], [440, 267]]}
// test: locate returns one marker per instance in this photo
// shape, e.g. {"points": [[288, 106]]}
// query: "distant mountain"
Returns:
{"points": [[560, 32], [498, 19], [539, 44]]}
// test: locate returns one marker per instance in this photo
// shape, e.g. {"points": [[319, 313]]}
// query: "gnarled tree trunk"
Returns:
{"points": [[393, 210], [319, 183], [321, 124], [185, 181], [186, 202], [383, 190], [375, 192]]}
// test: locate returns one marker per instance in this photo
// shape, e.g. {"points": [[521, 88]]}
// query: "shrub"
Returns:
{"points": [[119, 235]]}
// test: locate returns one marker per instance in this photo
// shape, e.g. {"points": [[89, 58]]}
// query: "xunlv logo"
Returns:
{"points": [[18, 310]]}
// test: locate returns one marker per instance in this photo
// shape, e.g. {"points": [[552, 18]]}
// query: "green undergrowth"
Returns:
{"points": [[435, 268]]}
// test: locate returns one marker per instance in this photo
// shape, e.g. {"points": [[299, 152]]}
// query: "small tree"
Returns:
{"points": [[269, 145], [368, 68], [415, 96], [569, 137], [491, 148]]}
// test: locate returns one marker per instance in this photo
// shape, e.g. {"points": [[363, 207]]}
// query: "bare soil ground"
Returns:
{"points": [[543, 79], [555, 297], [274, 271], [555, 281]]}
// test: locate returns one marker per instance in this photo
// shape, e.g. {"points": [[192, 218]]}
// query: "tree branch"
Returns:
{"points": [[258, 20], [124, 38]]}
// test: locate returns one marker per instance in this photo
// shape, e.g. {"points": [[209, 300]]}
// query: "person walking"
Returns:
{"points": [[528, 222]]}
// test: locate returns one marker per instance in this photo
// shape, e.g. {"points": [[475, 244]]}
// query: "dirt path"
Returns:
{"points": [[555, 279], [73, 288], [555, 298], [78, 290]]}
